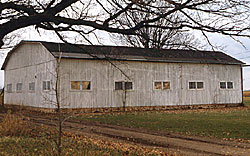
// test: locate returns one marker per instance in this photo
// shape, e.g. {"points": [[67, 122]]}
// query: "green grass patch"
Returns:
{"points": [[246, 101], [228, 123]]}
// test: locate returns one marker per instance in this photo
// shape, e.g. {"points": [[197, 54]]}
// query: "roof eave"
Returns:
{"points": [[148, 60]]}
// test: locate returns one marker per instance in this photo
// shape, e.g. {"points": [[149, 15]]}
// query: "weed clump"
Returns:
{"points": [[13, 125]]}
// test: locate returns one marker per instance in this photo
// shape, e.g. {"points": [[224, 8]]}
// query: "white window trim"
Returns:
{"points": [[11, 88], [196, 84], [123, 85], [47, 90], [32, 91], [223, 88], [161, 85], [81, 90], [230, 88], [19, 91], [226, 86]]}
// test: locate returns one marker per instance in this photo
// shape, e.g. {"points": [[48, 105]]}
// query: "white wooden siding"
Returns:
{"points": [[33, 63], [103, 75], [29, 63]]}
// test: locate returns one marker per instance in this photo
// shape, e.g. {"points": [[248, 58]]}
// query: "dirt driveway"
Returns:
{"points": [[179, 144]]}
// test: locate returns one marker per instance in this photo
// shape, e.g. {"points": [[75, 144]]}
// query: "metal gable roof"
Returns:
{"points": [[139, 54], [131, 54]]}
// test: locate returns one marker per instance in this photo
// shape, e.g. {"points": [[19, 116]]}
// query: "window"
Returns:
{"points": [[75, 85], [9, 88], [19, 87], [226, 85], [223, 85], [161, 85], [229, 85], [122, 85], [118, 86], [46, 85], [166, 85], [128, 86], [32, 86], [196, 85], [199, 85], [192, 85], [157, 85], [86, 85], [80, 85]]}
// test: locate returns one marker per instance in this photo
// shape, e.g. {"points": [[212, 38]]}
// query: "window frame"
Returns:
{"points": [[232, 85], [225, 85], [123, 85], [226, 82], [30, 87], [19, 87], [154, 85], [203, 85], [196, 85], [162, 82], [46, 85], [11, 90], [81, 86]]}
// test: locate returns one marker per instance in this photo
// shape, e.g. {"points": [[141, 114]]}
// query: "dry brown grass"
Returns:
{"points": [[13, 125], [246, 93]]}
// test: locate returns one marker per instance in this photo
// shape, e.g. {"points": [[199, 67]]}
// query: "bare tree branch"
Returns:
{"points": [[227, 17]]}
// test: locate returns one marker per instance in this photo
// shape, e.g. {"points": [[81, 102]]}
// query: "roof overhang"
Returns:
{"points": [[246, 65], [129, 58]]}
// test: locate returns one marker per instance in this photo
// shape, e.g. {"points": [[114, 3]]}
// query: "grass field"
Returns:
{"points": [[246, 93], [247, 100], [30, 146], [221, 123], [227, 123], [20, 138]]}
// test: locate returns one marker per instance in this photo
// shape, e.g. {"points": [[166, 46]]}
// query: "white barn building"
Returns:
{"points": [[131, 76]]}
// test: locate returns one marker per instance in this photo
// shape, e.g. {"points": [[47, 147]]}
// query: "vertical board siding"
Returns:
{"points": [[33, 63], [29, 63], [103, 76]]}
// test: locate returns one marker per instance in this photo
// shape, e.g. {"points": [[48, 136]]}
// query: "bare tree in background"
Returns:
{"points": [[85, 17], [156, 37]]}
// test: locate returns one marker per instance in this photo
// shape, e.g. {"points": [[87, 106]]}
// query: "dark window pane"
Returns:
{"points": [[44, 85], [166, 85], [86, 85], [128, 85], [118, 85], [223, 85], [192, 85], [157, 85], [200, 85], [48, 85], [230, 85]]}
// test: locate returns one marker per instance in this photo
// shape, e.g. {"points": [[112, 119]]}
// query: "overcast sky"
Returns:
{"points": [[237, 51], [231, 48]]}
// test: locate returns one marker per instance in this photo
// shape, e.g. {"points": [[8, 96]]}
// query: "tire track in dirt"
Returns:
{"points": [[185, 145]]}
